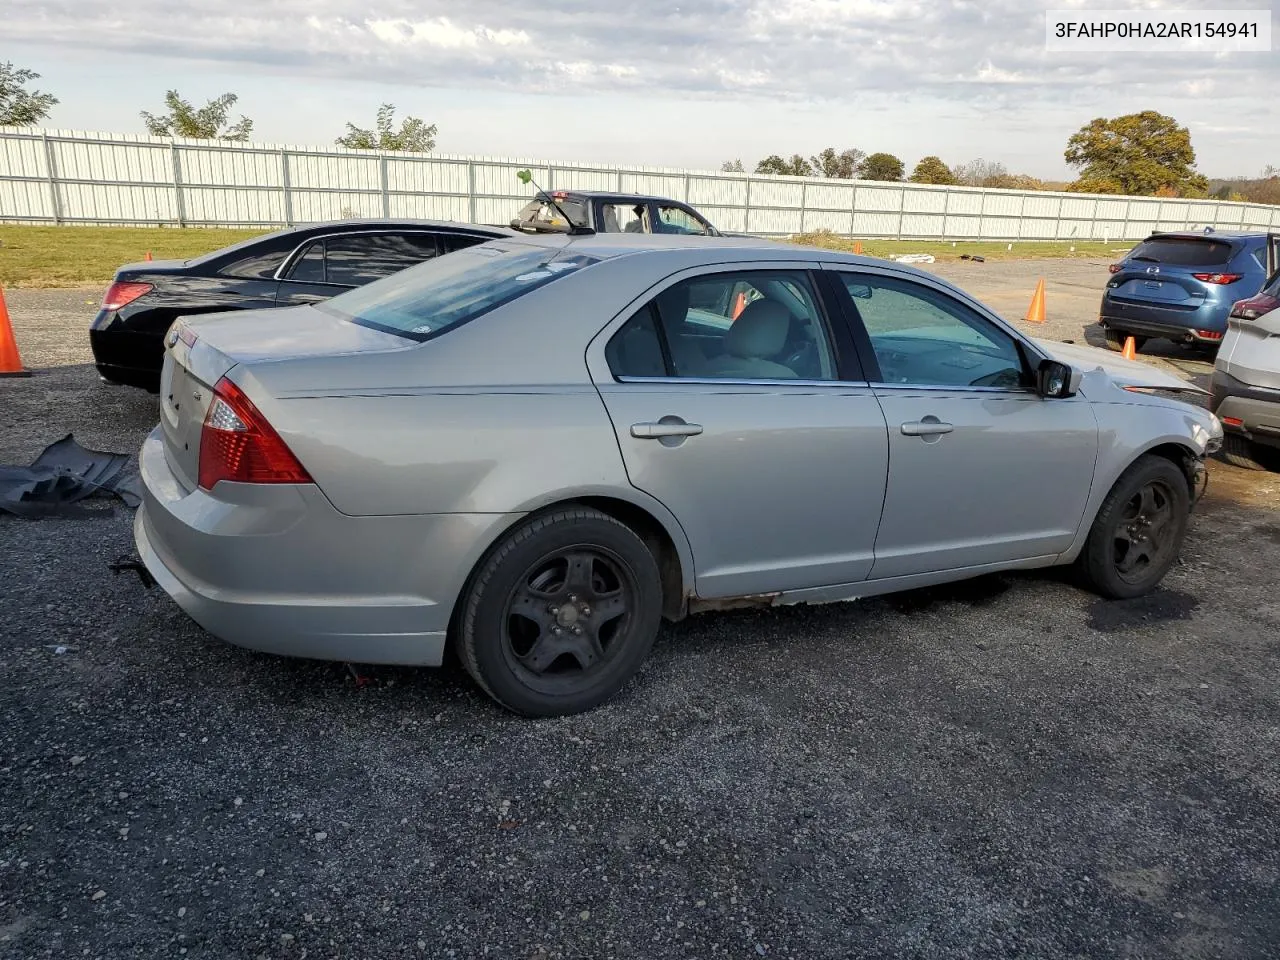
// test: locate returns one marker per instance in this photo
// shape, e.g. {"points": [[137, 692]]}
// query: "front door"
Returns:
{"points": [[751, 426], [982, 469]]}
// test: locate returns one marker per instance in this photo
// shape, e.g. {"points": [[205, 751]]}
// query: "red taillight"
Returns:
{"points": [[1114, 268], [1233, 421], [1209, 334], [1254, 307], [121, 293], [237, 444], [1221, 278]]}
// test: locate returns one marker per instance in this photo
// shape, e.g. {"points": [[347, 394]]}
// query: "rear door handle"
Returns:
{"points": [[661, 429], [929, 427]]}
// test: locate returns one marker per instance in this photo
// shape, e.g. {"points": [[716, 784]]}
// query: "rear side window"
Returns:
{"points": [[257, 266], [1184, 251], [459, 241], [355, 260], [309, 268], [445, 292]]}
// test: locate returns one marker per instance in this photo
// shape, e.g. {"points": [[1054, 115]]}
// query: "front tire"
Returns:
{"points": [[561, 613], [1240, 452], [1138, 531]]}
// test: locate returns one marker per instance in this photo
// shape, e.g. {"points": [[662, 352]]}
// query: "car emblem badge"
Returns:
{"points": [[1153, 269], [173, 337]]}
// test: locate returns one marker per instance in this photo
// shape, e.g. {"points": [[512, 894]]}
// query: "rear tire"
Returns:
{"points": [[561, 613], [1240, 452], [1116, 339], [1138, 531]]}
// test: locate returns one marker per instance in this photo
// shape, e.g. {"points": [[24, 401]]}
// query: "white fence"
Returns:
{"points": [[64, 176]]}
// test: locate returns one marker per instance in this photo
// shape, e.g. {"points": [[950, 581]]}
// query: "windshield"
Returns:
{"points": [[447, 291]]}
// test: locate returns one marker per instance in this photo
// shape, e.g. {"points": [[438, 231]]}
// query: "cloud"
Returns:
{"points": [[784, 50]]}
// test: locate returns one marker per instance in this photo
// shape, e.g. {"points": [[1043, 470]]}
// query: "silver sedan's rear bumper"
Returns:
{"points": [[276, 568]]}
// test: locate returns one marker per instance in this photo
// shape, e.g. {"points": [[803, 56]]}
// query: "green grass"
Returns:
{"points": [[89, 256], [952, 250]]}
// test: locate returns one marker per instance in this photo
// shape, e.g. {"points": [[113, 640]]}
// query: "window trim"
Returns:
{"points": [[1028, 353], [846, 362], [435, 235]]}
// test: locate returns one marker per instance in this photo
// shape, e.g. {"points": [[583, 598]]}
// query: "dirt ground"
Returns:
{"points": [[1005, 768]]}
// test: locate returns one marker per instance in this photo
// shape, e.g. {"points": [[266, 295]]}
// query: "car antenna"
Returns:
{"points": [[526, 177]]}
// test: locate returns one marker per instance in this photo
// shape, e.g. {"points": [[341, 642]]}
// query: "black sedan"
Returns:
{"points": [[302, 265]]}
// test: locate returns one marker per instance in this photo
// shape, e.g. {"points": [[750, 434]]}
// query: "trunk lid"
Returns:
{"points": [[200, 350], [1161, 270]]}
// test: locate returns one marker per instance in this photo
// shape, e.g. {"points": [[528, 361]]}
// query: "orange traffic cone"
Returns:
{"points": [[10, 362], [857, 246], [1035, 312], [739, 305], [1130, 351], [148, 254]]}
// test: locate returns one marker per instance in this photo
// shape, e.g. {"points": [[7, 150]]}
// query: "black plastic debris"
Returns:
{"points": [[121, 564], [973, 257], [64, 474]]}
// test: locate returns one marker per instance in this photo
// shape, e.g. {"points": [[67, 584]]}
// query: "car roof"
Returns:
{"points": [[302, 230], [608, 246], [608, 195], [1222, 234]]}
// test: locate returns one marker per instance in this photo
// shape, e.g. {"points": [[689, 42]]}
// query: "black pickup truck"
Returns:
{"points": [[603, 212]]}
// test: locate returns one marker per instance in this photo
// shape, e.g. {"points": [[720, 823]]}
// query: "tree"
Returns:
{"points": [[414, 135], [1139, 152], [731, 166], [840, 166], [979, 173], [207, 123], [797, 166], [19, 107], [932, 170], [882, 166]]}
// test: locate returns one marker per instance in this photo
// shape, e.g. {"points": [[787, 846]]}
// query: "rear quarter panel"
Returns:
{"points": [[454, 451]]}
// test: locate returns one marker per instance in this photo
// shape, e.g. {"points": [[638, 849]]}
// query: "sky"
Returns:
{"points": [[679, 83]]}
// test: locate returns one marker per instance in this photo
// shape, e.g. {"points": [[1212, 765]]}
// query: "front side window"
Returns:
{"points": [[921, 336], [750, 325], [673, 219], [445, 292]]}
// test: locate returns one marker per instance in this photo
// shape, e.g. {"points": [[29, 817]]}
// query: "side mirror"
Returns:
{"points": [[1056, 380], [859, 290]]}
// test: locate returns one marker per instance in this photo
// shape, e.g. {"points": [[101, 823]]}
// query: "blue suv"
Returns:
{"points": [[1181, 286]]}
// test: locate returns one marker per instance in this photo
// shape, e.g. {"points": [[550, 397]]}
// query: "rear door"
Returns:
{"points": [[329, 265], [757, 433]]}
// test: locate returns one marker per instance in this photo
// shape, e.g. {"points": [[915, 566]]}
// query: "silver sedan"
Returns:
{"points": [[537, 448]]}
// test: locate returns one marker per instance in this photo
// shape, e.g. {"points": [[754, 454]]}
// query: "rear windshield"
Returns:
{"points": [[445, 292], [543, 212], [1184, 251]]}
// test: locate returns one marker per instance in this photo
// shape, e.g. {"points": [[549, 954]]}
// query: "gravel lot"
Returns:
{"points": [[1008, 767]]}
